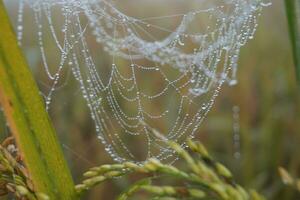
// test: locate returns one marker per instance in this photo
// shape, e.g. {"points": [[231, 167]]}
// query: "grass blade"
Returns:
{"points": [[293, 16], [28, 120]]}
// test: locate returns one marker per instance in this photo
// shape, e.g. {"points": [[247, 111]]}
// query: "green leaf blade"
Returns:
{"points": [[293, 17], [28, 119]]}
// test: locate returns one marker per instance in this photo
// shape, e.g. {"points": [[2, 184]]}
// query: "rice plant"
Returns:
{"points": [[149, 79]]}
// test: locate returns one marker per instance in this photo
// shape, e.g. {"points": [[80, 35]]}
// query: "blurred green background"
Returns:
{"points": [[269, 118]]}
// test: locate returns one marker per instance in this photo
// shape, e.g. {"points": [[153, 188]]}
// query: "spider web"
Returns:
{"points": [[160, 81]]}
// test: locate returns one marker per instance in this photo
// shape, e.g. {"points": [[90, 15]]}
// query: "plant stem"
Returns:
{"points": [[29, 121], [293, 16]]}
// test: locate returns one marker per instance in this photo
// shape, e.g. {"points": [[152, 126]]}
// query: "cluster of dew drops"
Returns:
{"points": [[203, 71]]}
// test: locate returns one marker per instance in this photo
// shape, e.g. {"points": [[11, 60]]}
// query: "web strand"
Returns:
{"points": [[155, 88]]}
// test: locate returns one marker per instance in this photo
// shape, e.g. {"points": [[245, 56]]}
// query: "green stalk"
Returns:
{"points": [[293, 16], [28, 120]]}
